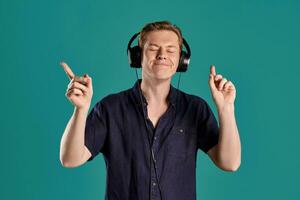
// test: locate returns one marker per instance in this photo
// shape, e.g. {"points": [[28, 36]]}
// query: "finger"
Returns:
{"points": [[228, 85], [78, 86], [74, 91], [212, 82], [213, 70], [221, 84], [67, 70], [79, 79], [71, 95], [89, 82], [85, 78], [218, 77]]}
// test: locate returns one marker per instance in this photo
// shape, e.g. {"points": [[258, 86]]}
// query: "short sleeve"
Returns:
{"points": [[95, 130], [208, 130]]}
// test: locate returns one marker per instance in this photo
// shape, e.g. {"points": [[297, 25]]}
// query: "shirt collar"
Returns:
{"points": [[135, 89]]}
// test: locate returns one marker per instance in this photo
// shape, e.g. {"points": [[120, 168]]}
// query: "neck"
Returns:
{"points": [[155, 91]]}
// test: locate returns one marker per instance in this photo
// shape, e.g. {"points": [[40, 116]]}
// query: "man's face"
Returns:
{"points": [[161, 54]]}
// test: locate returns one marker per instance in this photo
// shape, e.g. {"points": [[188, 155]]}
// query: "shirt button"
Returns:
{"points": [[181, 130], [155, 138], [154, 184]]}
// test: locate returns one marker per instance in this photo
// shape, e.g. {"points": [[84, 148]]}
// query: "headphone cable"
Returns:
{"points": [[147, 128]]}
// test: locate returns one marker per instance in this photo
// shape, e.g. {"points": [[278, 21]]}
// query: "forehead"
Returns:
{"points": [[159, 37]]}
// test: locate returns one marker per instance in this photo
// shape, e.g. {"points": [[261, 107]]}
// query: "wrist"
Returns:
{"points": [[226, 108], [81, 110]]}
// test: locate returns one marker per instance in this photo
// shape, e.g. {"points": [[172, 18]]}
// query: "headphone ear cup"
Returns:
{"points": [[134, 57], [183, 62]]}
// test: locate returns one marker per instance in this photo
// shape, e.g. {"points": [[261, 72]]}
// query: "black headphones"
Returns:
{"points": [[134, 55]]}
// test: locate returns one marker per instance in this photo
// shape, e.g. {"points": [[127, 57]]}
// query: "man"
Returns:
{"points": [[160, 163]]}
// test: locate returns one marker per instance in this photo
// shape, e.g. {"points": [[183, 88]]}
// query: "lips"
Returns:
{"points": [[161, 63]]}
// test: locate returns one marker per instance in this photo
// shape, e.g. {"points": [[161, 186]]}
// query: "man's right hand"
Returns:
{"points": [[80, 89]]}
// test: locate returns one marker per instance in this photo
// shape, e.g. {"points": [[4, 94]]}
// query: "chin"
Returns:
{"points": [[162, 76]]}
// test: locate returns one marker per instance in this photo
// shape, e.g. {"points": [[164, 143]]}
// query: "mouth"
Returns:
{"points": [[162, 64]]}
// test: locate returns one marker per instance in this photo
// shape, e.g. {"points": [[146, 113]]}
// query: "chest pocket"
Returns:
{"points": [[182, 141]]}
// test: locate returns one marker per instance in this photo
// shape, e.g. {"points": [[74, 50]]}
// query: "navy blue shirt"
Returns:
{"points": [[115, 127]]}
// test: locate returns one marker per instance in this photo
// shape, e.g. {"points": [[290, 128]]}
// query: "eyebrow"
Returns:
{"points": [[171, 46]]}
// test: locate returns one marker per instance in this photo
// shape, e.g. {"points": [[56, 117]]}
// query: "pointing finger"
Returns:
{"points": [[212, 82], [68, 70], [213, 70]]}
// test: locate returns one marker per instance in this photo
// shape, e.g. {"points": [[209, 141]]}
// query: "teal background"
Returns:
{"points": [[253, 43]]}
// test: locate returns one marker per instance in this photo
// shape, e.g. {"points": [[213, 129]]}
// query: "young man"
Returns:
{"points": [[159, 163]]}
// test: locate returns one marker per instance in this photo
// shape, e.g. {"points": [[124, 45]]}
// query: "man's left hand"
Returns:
{"points": [[223, 91]]}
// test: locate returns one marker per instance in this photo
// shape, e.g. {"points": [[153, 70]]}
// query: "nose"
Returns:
{"points": [[161, 55]]}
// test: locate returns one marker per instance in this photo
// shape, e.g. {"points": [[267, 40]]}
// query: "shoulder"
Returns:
{"points": [[114, 98], [193, 99]]}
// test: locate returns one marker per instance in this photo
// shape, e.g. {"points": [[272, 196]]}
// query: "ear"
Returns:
{"points": [[142, 55]]}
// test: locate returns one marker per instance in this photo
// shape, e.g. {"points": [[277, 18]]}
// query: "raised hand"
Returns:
{"points": [[79, 90], [222, 90]]}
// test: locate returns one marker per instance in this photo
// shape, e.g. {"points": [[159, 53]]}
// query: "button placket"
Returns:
{"points": [[153, 183]]}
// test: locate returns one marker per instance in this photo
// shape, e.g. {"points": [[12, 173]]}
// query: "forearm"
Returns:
{"points": [[72, 142], [229, 148]]}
